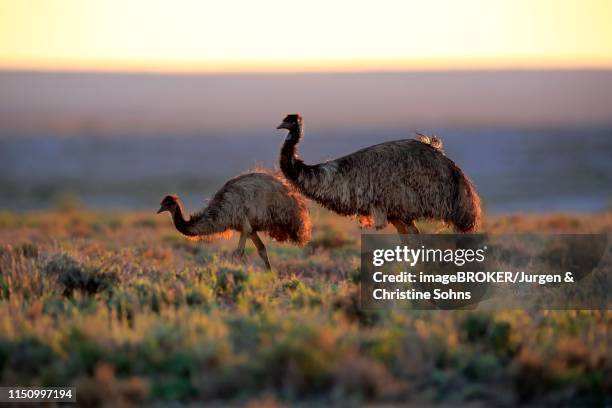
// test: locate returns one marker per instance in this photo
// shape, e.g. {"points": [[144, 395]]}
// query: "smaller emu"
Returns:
{"points": [[248, 204]]}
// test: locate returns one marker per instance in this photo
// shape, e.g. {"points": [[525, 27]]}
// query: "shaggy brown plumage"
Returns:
{"points": [[248, 204], [397, 182]]}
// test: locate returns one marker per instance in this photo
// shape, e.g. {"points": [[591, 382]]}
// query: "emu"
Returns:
{"points": [[397, 182], [249, 203]]}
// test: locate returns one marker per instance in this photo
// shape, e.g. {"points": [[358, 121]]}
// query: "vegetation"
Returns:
{"points": [[127, 310]]}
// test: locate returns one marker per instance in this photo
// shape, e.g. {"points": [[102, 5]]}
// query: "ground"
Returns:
{"points": [[127, 310]]}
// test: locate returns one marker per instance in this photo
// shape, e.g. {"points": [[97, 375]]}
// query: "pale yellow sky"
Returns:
{"points": [[312, 35]]}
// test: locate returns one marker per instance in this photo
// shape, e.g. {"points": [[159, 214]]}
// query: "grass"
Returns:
{"points": [[126, 310]]}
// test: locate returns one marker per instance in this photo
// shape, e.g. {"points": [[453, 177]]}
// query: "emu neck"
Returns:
{"points": [[290, 164], [181, 224], [308, 179]]}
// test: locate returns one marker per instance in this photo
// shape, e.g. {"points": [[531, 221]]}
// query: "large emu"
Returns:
{"points": [[248, 204], [397, 182]]}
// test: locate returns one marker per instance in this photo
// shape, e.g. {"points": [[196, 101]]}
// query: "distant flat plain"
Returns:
{"points": [[530, 140]]}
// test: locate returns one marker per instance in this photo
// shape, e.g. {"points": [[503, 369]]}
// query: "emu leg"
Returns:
{"points": [[238, 254], [412, 228], [400, 226], [380, 218], [404, 228], [261, 249]]}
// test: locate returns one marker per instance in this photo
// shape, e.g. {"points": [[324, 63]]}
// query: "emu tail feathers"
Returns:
{"points": [[433, 141], [300, 231], [295, 225], [467, 212]]}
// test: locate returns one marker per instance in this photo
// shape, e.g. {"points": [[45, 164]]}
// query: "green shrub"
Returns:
{"points": [[74, 276]]}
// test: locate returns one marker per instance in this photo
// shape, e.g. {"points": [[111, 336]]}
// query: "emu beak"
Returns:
{"points": [[161, 210], [284, 125]]}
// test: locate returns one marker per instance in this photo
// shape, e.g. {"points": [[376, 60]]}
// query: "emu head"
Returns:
{"points": [[292, 122], [170, 203]]}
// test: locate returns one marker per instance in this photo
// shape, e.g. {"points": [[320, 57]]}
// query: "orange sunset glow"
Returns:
{"points": [[317, 35]]}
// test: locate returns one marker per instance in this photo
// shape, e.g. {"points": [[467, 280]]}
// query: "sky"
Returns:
{"points": [[303, 36]]}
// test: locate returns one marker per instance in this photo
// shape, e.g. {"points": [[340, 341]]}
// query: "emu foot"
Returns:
{"points": [[238, 256], [267, 265]]}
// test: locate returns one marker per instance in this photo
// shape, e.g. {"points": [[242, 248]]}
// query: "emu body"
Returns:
{"points": [[398, 182], [250, 203]]}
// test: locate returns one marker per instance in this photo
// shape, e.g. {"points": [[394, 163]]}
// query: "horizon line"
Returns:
{"points": [[300, 67], [195, 72]]}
